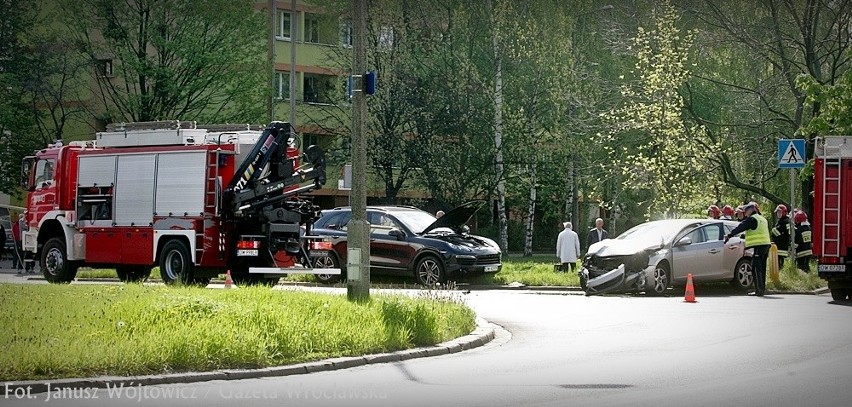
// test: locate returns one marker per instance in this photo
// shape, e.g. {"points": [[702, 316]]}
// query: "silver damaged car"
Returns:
{"points": [[653, 256]]}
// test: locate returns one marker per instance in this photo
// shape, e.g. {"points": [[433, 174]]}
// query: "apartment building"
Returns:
{"points": [[313, 46]]}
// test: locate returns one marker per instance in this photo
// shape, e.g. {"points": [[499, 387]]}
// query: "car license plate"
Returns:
{"points": [[319, 253], [491, 268], [831, 268], [247, 252]]}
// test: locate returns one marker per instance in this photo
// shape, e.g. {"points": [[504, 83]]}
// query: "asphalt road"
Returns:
{"points": [[567, 350]]}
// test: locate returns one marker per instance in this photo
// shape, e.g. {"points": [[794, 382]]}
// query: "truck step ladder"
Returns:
{"points": [[831, 190]]}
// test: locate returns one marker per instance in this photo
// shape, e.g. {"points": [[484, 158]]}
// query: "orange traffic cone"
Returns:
{"points": [[690, 290], [228, 281]]}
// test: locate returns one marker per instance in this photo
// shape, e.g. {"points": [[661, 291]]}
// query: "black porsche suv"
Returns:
{"points": [[408, 241]]}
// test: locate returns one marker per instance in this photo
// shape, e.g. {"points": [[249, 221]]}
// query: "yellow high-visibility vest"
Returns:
{"points": [[760, 235]]}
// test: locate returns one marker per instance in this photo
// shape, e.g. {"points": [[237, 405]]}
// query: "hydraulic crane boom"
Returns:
{"points": [[265, 176]]}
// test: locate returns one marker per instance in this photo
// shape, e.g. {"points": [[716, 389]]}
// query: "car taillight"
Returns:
{"points": [[320, 245], [248, 244]]}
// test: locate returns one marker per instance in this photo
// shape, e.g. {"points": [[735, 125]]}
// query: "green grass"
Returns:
{"points": [[528, 272], [791, 279], [55, 331], [103, 273]]}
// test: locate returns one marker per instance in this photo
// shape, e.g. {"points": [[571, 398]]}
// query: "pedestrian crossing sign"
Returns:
{"points": [[791, 153]]}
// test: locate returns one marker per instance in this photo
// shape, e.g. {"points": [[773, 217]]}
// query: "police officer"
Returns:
{"points": [[781, 233], [803, 241], [756, 230]]}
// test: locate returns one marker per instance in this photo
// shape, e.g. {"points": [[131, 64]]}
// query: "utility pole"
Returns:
{"points": [[358, 235], [270, 103], [292, 84]]}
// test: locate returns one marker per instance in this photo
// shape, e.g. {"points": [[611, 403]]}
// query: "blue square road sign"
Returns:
{"points": [[791, 153]]}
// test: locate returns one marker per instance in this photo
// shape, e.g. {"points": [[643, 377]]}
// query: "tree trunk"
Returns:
{"points": [[498, 142], [530, 223]]}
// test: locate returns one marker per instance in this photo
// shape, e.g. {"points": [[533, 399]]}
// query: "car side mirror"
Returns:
{"points": [[398, 234], [686, 241], [465, 229]]}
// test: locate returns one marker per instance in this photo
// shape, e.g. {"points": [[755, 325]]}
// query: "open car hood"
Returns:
{"points": [[617, 247], [456, 218]]}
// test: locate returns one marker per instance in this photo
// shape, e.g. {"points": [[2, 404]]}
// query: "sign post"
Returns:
{"points": [[791, 154]]}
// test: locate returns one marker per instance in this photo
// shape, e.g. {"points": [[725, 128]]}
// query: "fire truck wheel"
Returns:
{"points": [[429, 271], [132, 274], [175, 263], [54, 262], [327, 261]]}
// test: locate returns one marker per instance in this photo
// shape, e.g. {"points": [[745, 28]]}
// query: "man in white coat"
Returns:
{"points": [[567, 247]]}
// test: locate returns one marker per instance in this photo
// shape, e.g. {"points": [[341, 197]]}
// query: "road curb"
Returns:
{"points": [[483, 334]]}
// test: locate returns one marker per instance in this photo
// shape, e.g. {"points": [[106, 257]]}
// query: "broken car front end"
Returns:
{"points": [[612, 274]]}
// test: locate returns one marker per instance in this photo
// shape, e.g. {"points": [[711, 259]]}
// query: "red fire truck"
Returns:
{"points": [[193, 201], [832, 229]]}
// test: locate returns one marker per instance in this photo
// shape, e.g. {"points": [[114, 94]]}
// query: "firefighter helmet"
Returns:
{"points": [[781, 208], [800, 216], [727, 210], [714, 212]]}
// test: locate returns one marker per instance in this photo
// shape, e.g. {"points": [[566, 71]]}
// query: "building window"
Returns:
{"points": [[309, 140], [105, 67], [386, 38], [346, 34], [319, 88], [312, 28], [322, 29], [282, 85], [284, 18]]}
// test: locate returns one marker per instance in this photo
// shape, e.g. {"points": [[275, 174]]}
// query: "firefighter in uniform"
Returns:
{"points": [[781, 233], [727, 212], [713, 212], [756, 229], [803, 241], [739, 214]]}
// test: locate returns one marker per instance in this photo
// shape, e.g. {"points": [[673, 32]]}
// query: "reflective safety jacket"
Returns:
{"points": [[756, 229], [781, 235], [803, 240]]}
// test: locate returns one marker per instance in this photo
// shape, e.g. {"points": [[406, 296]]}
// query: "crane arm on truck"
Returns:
{"points": [[268, 176]]}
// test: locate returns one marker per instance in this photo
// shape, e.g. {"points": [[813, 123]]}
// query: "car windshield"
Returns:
{"points": [[415, 221], [653, 230]]}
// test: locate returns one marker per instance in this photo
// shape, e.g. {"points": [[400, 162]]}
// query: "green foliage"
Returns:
{"points": [[650, 141], [19, 70], [146, 330], [835, 102], [201, 60]]}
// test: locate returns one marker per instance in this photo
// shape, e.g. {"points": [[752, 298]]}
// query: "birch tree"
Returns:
{"points": [[659, 151]]}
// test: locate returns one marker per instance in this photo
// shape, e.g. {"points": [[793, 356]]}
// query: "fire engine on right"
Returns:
{"points": [[832, 227]]}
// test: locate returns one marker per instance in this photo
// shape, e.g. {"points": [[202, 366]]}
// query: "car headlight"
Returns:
{"points": [[491, 243]]}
